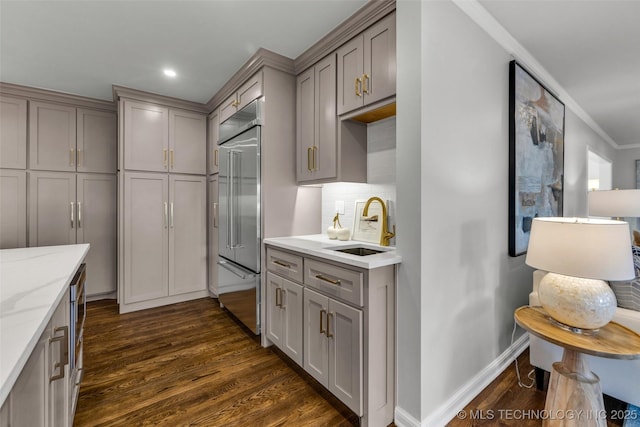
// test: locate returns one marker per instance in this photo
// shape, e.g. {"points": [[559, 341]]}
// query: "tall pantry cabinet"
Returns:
{"points": [[163, 203], [57, 176]]}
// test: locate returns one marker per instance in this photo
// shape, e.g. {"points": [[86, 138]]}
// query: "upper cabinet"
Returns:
{"points": [[159, 139], [367, 66], [146, 139], [187, 142], [212, 150], [13, 133], [52, 137], [246, 93], [96, 141]]}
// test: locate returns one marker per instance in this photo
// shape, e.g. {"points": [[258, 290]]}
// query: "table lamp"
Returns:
{"points": [[614, 203], [579, 254]]}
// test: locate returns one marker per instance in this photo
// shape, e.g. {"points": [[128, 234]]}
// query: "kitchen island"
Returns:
{"points": [[33, 283]]}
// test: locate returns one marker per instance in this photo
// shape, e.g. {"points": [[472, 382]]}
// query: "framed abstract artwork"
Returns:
{"points": [[536, 155]]}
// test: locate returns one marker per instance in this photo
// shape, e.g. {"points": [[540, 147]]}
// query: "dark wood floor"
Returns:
{"points": [[191, 364]]}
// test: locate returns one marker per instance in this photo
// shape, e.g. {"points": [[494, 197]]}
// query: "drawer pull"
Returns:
{"points": [[329, 334], [283, 264], [325, 279], [322, 330], [64, 352]]}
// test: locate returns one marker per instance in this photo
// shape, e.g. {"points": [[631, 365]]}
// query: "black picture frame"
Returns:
{"points": [[536, 155]]}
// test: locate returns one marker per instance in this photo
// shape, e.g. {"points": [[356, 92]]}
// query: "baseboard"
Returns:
{"points": [[403, 419], [97, 297], [447, 411]]}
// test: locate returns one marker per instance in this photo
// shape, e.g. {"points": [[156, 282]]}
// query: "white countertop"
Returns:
{"points": [[319, 245], [32, 284]]}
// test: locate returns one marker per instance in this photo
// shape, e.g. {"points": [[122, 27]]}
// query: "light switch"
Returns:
{"points": [[340, 206]]}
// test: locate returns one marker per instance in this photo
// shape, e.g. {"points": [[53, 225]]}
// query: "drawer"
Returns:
{"points": [[284, 264], [334, 281]]}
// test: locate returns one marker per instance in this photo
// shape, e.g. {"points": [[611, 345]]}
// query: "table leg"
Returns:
{"points": [[574, 397]]}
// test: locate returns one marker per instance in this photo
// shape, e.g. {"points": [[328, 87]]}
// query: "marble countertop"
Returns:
{"points": [[32, 284], [319, 245]]}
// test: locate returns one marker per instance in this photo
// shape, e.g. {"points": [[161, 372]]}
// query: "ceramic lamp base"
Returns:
{"points": [[577, 302]]}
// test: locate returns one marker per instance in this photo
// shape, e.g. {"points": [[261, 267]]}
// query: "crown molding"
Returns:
{"points": [[629, 146], [370, 13], [262, 58], [34, 93], [487, 22], [169, 101]]}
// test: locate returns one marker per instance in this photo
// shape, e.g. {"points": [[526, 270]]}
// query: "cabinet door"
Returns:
{"points": [[326, 124], [212, 150], [213, 235], [52, 208], [345, 354], [379, 79], [146, 137], [97, 141], [13, 208], [52, 137], [13, 133], [97, 226], [305, 124], [58, 364], [316, 352], [274, 311], [187, 142], [250, 90], [187, 234], [29, 403], [146, 236], [350, 63], [291, 302], [228, 107]]}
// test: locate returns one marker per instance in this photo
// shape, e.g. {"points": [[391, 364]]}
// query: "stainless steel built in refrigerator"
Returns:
{"points": [[239, 214]]}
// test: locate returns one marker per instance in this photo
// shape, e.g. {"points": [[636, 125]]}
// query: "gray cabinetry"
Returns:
{"points": [[212, 141], [13, 133], [367, 66], [52, 208], [96, 141], [246, 93], [284, 312], [213, 235], [187, 142], [13, 208], [52, 137], [146, 137]]}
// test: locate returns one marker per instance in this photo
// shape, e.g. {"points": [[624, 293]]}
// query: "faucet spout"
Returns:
{"points": [[386, 235]]}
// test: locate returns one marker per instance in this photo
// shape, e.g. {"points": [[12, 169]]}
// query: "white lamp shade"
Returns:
{"points": [[618, 203], [580, 247]]}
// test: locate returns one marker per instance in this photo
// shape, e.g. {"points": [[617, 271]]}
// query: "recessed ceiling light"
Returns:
{"points": [[169, 73]]}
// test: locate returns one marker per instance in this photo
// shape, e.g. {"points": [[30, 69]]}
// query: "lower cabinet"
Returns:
{"points": [[213, 234], [333, 347], [40, 395], [284, 312]]}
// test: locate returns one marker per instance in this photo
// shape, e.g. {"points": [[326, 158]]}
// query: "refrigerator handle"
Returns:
{"points": [[237, 270], [229, 199]]}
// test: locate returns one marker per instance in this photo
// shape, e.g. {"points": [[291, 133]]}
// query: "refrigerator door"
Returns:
{"points": [[238, 291], [239, 199]]}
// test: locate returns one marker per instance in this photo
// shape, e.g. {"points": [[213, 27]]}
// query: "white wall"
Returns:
{"points": [[467, 285], [624, 168]]}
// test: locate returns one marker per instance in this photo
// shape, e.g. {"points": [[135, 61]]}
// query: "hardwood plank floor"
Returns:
{"points": [[191, 364]]}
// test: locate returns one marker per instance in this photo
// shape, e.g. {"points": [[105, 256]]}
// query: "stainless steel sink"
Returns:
{"points": [[359, 251]]}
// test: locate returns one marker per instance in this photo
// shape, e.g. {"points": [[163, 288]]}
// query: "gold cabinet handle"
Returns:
{"points": [[215, 156], [215, 215], [309, 161], [79, 157], [72, 214], [171, 215], [64, 351], [314, 150], [284, 264], [79, 214], [164, 154], [326, 279], [365, 83], [166, 215], [322, 330], [358, 86], [278, 304], [72, 156], [172, 158], [329, 316]]}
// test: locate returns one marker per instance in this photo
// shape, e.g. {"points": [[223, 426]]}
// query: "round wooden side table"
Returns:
{"points": [[574, 396]]}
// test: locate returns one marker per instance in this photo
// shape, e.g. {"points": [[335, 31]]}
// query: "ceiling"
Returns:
{"points": [[590, 47]]}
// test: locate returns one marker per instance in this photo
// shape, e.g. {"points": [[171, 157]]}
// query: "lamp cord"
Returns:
{"points": [[531, 374]]}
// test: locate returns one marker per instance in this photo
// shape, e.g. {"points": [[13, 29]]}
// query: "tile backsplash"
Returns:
{"points": [[381, 178]]}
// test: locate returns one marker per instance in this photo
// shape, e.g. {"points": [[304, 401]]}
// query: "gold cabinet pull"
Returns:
{"points": [[166, 215], [79, 214], [172, 158], [284, 264], [171, 215], [215, 156], [79, 157], [215, 215], [329, 316], [309, 161], [64, 351], [72, 156], [322, 330], [358, 86], [314, 150], [326, 279], [365, 83], [278, 304], [164, 154], [72, 215]]}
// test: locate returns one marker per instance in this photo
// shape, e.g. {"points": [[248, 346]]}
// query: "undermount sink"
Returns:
{"points": [[360, 251]]}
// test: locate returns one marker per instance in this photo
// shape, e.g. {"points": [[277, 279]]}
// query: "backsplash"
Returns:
{"points": [[381, 178]]}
